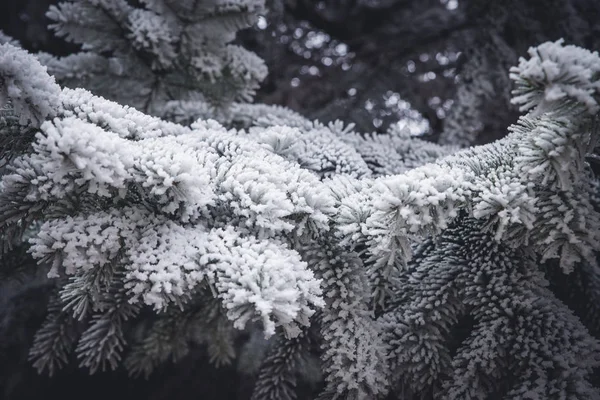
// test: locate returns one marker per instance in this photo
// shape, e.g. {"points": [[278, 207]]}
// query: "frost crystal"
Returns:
{"points": [[556, 72], [24, 82], [418, 269]]}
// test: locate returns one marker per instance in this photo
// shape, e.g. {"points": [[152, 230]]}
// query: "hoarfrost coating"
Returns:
{"points": [[305, 231]]}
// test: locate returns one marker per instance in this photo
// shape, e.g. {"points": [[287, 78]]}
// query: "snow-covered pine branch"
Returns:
{"points": [[424, 265], [158, 53], [33, 93]]}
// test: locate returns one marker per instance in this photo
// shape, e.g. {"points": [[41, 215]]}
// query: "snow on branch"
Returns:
{"points": [[555, 72], [25, 83], [416, 262]]}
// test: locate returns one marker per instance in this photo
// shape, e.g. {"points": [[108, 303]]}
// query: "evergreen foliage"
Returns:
{"points": [[159, 54], [419, 269]]}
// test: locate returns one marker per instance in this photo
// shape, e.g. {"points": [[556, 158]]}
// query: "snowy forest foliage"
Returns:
{"points": [[162, 212]]}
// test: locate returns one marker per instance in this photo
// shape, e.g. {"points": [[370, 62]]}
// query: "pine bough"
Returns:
{"points": [[164, 57], [420, 271]]}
